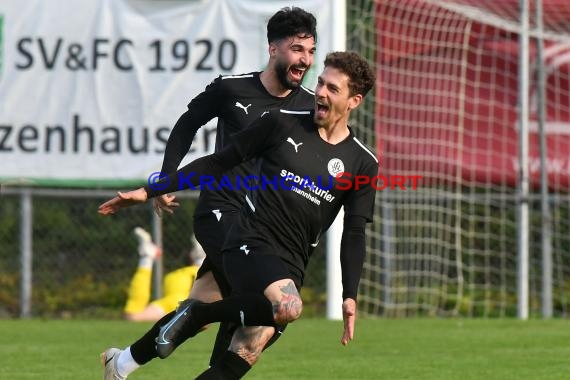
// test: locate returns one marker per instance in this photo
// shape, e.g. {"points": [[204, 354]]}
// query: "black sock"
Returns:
{"points": [[230, 366], [223, 341], [212, 373], [276, 335], [246, 310], [143, 350]]}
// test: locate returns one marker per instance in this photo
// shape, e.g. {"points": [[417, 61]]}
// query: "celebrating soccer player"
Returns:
{"points": [[266, 254], [236, 100]]}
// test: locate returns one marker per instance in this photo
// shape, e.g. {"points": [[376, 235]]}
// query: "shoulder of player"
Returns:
{"points": [[285, 114], [306, 91], [363, 151], [241, 86], [281, 121], [304, 98], [296, 113], [232, 82], [293, 117], [237, 79]]}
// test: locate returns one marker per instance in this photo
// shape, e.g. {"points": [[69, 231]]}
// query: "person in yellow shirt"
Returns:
{"points": [[176, 284]]}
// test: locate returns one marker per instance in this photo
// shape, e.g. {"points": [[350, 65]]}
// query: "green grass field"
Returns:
{"points": [[423, 349]]}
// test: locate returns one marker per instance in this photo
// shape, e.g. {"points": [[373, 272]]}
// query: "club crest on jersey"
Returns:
{"points": [[335, 166]]}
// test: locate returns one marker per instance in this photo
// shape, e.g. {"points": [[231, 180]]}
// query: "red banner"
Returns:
{"points": [[447, 98]]}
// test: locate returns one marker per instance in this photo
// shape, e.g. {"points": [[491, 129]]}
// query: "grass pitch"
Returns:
{"points": [[425, 349]]}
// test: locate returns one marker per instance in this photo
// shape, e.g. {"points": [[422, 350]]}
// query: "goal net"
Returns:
{"points": [[445, 108]]}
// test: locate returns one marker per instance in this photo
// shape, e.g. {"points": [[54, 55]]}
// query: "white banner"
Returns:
{"points": [[90, 89]]}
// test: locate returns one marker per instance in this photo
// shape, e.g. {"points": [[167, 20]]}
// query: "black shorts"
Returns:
{"points": [[211, 234], [251, 269]]}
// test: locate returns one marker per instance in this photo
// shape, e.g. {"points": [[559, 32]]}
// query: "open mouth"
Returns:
{"points": [[321, 110], [297, 73]]}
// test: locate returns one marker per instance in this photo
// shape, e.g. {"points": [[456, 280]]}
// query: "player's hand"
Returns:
{"points": [[123, 200], [165, 202], [348, 316]]}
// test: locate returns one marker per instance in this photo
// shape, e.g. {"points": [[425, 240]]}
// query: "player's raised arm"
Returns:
{"points": [[187, 177], [122, 200], [201, 109], [249, 143]]}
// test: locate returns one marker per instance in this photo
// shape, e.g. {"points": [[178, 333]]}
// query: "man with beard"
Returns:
{"points": [[316, 166], [236, 100]]}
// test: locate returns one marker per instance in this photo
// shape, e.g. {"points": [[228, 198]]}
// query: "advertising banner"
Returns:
{"points": [[89, 90]]}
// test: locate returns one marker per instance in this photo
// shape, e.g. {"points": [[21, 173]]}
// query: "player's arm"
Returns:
{"points": [[249, 143], [359, 207], [188, 177], [201, 109], [352, 253]]}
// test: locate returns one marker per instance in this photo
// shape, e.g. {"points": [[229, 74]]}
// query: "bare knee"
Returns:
{"points": [[287, 312], [206, 289], [286, 301], [288, 309], [249, 342]]}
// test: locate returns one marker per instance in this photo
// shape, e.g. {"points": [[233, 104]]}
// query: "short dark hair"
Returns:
{"points": [[289, 22], [359, 72]]}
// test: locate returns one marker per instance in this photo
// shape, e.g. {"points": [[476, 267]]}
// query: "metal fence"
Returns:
{"points": [[59, 257]]}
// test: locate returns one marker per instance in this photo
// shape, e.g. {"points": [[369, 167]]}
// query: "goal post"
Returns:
{"points": [[334, 234], [445, 109]]}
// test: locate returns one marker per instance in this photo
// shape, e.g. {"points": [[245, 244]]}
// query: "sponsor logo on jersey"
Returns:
{"points": [[244, 108], [305, 187], [292, 142], [335, 166]]}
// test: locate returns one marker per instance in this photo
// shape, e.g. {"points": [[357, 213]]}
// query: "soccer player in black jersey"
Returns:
{"points": [[236, 100], [309, 165]]}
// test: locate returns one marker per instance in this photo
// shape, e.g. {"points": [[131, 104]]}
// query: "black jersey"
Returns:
{"points": [[298, 195], [236, 100]]}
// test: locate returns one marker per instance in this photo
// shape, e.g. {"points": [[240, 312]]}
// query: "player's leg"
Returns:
{"points": [[144, 349], [244, 351], [265, 296], [249, 342], [279, 304], [213, 229], [119, 363], [210, 231], [150, 313], [205, 289], [223, 340]]}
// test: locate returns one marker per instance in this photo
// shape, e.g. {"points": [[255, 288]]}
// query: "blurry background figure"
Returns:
{"points": [[177, 284]]}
